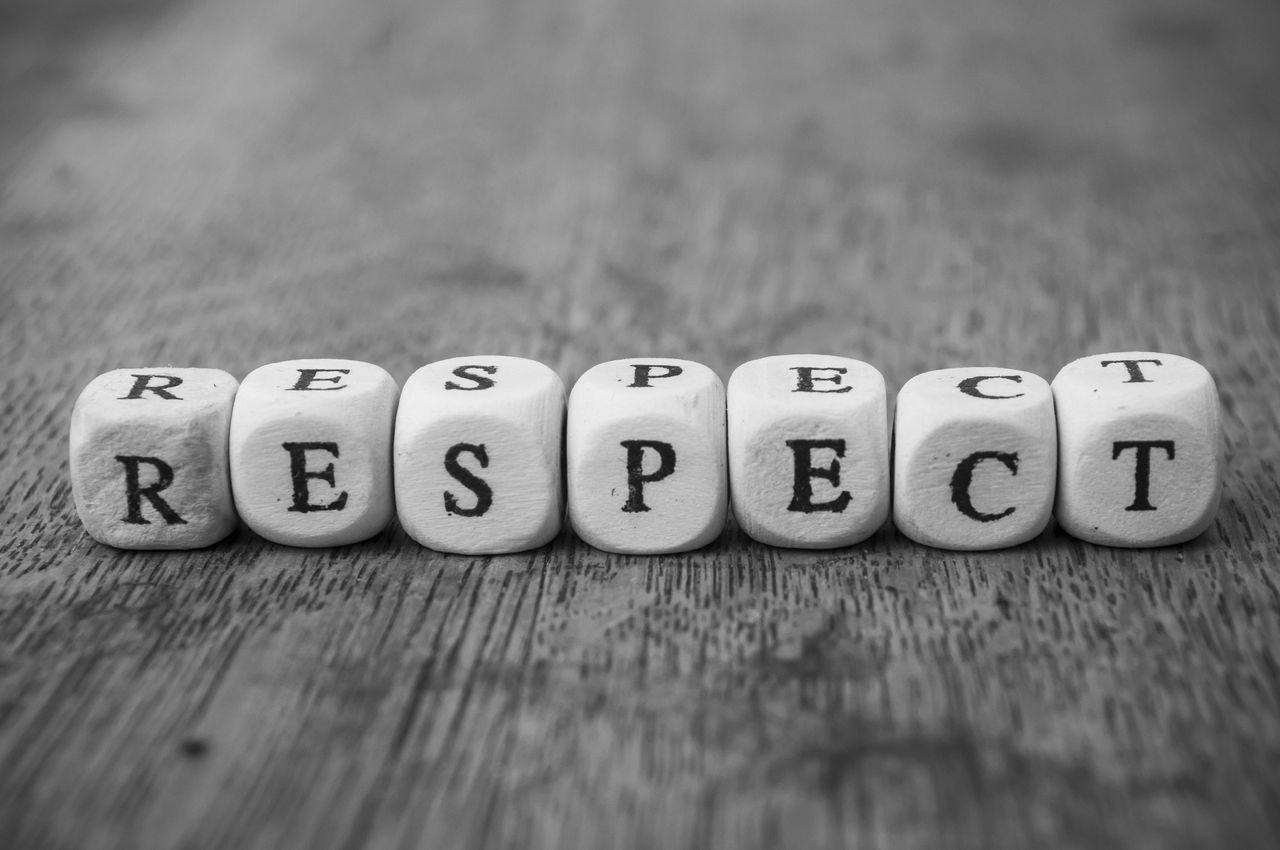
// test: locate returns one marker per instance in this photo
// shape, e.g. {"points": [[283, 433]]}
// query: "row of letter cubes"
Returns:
{"points": [[478, 455]]}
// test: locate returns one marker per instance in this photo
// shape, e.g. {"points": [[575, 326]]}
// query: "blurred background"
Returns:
{"points": [[919, 184]]}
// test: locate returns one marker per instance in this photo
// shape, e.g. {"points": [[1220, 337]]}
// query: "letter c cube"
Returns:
{"points": [[975, 458]]}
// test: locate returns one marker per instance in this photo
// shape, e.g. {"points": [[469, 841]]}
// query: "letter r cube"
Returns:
{"points": [[311, 451], [478, 451], [1140, 437], [149, 458], [646, 456]]}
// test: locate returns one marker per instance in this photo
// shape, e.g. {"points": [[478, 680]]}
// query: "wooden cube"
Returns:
{"points": [[478, 451], [975, 458], [1140, 441], [311, 451], [646, 456], [149, 458], [808, 450]]}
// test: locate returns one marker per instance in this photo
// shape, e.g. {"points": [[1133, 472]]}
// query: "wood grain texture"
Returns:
{"points": [[917, 184]]}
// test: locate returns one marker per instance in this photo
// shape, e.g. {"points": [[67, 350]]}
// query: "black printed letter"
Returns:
{"points": [[963, 477], [134, 491], [805, 378], [802, 495], [468, 479], [306, 377], [643, 374], [1135, 371], [142, 383], [482, 383], [300, 474], [1142, 468], [969, 386], [636, 478]]}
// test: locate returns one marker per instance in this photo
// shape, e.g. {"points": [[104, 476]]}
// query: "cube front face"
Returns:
{"points": [[1140, 438], [311, 451], [647, 456], [808, 450], [478, 451], [975, 458], [149, 458]]}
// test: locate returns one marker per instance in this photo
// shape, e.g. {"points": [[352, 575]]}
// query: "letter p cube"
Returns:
{"points": [[646, 456]]}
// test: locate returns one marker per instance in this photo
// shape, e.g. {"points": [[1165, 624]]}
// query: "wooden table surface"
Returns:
{"points": [[916, 183]]}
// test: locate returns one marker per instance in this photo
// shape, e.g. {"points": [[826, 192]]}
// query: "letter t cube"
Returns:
{"points": [[1140, 437]]}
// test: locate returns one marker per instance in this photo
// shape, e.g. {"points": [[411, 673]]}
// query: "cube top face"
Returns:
{"points": [[646, 456], [975, 458], [808, 450], [1140, 437], [977, 392], [148, 457], [478, 450], [156, 392], [315, 384], [806, 382], [474, 381], [637, 385], [1126, 378], [311, 451]]}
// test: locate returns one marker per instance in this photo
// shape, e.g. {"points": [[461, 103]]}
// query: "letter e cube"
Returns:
{"points": [[808, 450], [311, 451]]}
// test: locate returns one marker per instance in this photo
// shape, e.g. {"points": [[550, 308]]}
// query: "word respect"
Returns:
{"points": [[479, 455]]}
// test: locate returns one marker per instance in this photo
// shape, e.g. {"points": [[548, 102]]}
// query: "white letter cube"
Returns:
{"points": [[1140, 438], [975, 458], [478, 451], [646, 456], [808, 450], [311, 451], [149, 458]]}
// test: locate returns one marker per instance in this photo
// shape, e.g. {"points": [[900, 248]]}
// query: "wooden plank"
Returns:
{"points": [[919, 184]]}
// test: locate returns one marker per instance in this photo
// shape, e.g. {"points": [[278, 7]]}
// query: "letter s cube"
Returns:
{"points": [[1140, 438], [149, 458], [975, 458], [646, 456], [478, 451], [311, 451]]}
